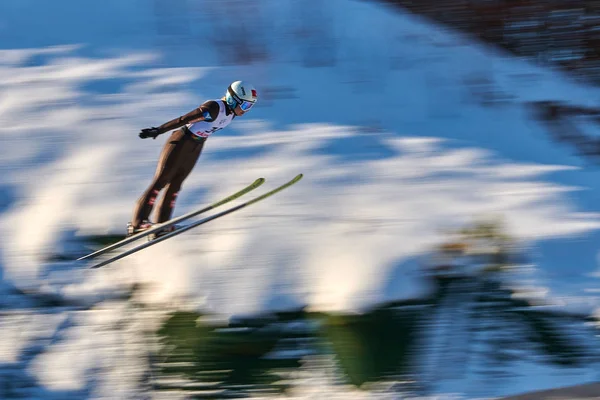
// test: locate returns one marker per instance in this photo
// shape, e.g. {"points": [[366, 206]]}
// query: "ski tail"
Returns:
{"points": [[171, 222], [197, 223]]}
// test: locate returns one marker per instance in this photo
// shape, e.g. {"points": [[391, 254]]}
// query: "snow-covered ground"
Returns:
{"points": [[384, 114]]}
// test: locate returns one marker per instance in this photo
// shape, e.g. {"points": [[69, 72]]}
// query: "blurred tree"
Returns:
{"points": [[224, 358], [471, 322]]}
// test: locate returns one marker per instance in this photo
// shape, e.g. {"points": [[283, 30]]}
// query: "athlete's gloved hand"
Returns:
{"points": [[149, 132]]}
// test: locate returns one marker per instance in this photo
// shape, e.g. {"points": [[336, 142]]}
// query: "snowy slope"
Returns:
{"points": [[373, 106]]}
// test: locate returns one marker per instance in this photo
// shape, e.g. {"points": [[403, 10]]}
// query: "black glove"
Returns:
{"points": [[149, 132]]}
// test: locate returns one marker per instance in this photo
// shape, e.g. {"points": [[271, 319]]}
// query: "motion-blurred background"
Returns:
{"points": [[443, 242]]}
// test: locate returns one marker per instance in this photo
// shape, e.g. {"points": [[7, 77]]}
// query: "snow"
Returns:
{"points": [[382, 113]]}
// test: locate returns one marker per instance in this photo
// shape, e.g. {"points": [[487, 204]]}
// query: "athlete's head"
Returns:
{"points": [[240, 97]]}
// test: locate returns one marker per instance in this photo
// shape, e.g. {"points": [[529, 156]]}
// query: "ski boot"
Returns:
{"points": [[132, 230], [162, 232]]}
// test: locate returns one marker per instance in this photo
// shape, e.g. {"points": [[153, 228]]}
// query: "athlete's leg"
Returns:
{"points": [[168, 164], [189, 157]]}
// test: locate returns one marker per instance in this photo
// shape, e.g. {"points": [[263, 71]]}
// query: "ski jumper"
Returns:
{"points": [[178, 157]]}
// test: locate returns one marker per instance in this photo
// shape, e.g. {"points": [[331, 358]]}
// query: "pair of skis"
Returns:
{"points": [[158, 227]]}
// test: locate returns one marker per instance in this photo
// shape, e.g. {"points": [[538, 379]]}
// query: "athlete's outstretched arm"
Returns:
{"points": [[204, 112]]}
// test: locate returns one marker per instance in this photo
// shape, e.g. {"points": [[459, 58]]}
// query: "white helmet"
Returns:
{"points": [[242, 94]]}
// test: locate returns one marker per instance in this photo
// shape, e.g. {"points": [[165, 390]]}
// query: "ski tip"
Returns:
{"points": [[259, 181]]}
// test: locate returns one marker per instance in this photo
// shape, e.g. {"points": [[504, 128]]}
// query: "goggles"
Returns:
{"points": [[246, 105]]}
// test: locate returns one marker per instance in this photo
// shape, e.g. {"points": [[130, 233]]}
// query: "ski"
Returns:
{"points": [[173, 221], [197, 223]]}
